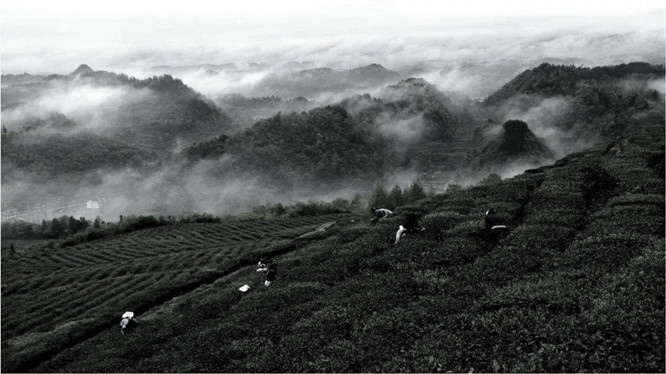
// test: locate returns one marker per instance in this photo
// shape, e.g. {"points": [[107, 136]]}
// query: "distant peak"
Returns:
{"points": [[82, 70], [373, 66]]}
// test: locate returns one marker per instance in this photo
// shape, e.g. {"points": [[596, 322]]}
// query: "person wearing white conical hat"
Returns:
{"points": [[127, 317]]}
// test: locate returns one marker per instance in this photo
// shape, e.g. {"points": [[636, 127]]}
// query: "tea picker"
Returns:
{"points": [[264, 266], [379, 214], [411, 225], [127, 320], [271, 271], [495, 224], [399, 233]]}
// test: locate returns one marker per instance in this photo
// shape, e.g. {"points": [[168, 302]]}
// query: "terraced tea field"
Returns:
{"points": [[576, 286], [76, 290]]}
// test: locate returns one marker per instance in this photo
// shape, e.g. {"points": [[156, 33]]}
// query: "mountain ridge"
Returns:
{"points": [[550, 80]]}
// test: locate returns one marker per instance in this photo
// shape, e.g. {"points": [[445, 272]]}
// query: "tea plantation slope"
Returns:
{"points": [[54, 297], [578, 285]]}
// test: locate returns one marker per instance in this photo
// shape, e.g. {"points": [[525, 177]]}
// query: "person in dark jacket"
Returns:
{"points": [[270, 274], [412, 222], [495, 224], [411, 225], [493, 219]]}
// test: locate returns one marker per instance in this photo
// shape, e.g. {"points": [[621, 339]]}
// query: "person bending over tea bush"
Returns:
{"points": [[411, 225], [270, 268], [128, 321], [495, 224], [263, 264], [379, 214]]}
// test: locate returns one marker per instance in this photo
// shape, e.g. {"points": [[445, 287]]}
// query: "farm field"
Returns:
{"points": [[577, 285], [55, 294]]}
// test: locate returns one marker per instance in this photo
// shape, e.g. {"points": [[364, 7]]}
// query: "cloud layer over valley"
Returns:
{"points": [[127, 129]]}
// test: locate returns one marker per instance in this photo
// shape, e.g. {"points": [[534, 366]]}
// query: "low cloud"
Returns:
{"points": [[466, 57], [400, 130], [92, 108], [657, 85], [212, 81]]}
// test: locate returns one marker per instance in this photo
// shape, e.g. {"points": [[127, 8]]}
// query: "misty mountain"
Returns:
{"points": [[323, 145], [156, 113], [514, 143], [25, 155], [83, 69], [49, 122], [550, 80], [322, 81], [575, 107], [25, 78], [362, 138], [240, 151], [411, 111], [245, 111], [423, 126]]}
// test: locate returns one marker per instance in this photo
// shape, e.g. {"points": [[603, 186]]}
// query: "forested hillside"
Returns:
{"points": [[576, 285], [361, 139], [551, 80], [322, 145], [412, 112], [582, 103], [53, 155], [150, 113]]}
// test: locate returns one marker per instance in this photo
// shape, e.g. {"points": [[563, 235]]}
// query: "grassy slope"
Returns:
{"points": [[578, 285]]}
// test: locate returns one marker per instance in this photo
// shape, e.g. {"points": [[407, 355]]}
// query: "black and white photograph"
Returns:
{"points": [[293, 186]]}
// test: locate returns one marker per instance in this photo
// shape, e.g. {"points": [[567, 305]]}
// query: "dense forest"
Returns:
{"points": [[321, 145], [551, 80], [57, 154], [601, 103], [441, 119]]}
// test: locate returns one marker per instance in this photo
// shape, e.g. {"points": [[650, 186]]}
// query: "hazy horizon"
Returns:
{"points": [[133, 37]]}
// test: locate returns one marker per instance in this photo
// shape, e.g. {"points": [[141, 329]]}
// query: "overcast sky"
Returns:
{"points": [[42, 36]]}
